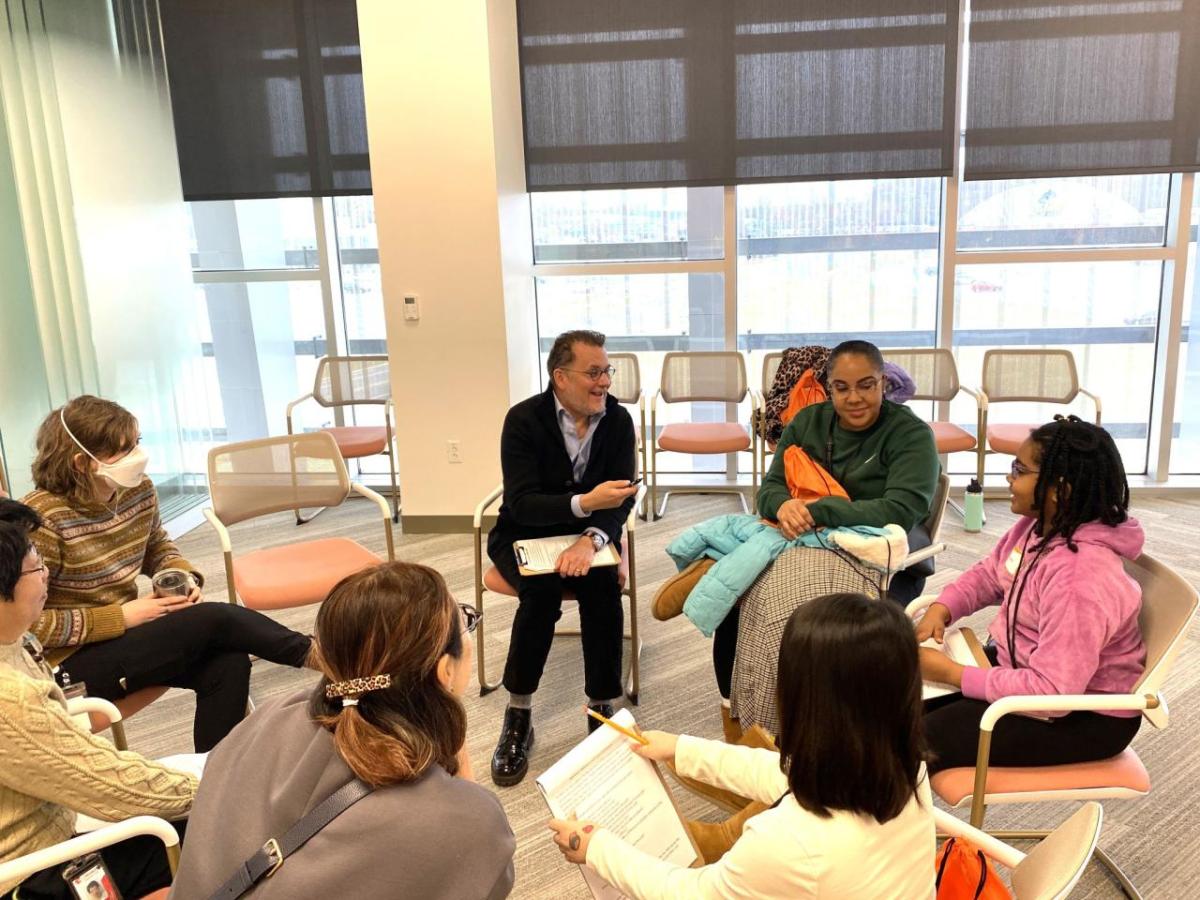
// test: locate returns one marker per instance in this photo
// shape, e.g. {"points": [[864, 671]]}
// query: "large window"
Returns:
{"points": [[1185, 450], [261, 268], [1072, 263]]}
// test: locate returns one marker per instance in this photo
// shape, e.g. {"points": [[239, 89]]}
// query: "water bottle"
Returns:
{"points": [[973, 507]]}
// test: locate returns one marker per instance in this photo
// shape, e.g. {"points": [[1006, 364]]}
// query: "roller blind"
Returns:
{"points": [[1082, 87], [267, 97], [638, 93]]}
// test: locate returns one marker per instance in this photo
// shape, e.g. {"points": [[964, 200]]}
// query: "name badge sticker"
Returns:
{"points": [[1013, 563]]}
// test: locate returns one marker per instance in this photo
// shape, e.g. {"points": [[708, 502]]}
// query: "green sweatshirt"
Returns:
{"points": [[890, 469]]}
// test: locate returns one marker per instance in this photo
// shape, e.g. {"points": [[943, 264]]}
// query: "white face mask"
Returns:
{"points": [[126, 472]]}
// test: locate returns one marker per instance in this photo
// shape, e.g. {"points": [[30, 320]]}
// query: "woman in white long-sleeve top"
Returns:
{"points": [[851, 812]]}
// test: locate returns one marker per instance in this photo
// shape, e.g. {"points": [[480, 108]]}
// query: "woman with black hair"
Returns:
{"points": [[852, 814], [1068, 618]]}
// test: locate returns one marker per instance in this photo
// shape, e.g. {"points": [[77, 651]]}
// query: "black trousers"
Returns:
{"points": [[952, 732], [904, 588], [138, 867], [202, 648], [601, 620]]}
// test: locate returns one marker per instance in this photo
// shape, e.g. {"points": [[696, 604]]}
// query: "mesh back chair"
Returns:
{"points": [[626, 387], [770, 367], [689, 377], [256, 478], [490, 579], [1050, 870], [355, 381], [1168, 607], [1037, 376]]}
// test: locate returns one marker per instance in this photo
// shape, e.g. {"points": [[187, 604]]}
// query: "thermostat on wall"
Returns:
{"points": [[412, 311]]}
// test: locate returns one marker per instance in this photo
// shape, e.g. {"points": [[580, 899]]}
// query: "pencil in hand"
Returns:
{"points": [[632, 735]]}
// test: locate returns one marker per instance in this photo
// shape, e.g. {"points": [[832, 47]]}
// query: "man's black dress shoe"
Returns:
{"points": [[605, 709], [510, 762]]}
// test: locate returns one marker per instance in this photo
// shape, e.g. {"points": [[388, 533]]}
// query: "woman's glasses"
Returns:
{"points": [[1019, 468], [471, 617]]}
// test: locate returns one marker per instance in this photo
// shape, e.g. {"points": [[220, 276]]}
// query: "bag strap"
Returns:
{"points": [[946, 848], [271, 856], [983, 874]]}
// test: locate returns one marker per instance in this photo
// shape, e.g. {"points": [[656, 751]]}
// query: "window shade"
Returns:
{"points": [[1082, 87], [638, 93], [267, 97]]}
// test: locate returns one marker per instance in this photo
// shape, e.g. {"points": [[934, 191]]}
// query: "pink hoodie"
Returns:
{"points": [[1077, 625]]}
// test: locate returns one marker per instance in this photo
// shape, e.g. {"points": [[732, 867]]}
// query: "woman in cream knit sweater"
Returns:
{"points": [[50, 768]]}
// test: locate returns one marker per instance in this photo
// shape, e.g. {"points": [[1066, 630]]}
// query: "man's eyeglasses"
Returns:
{"points": [[1019, 468], [595, 373], [41, 567], [866, 386]]}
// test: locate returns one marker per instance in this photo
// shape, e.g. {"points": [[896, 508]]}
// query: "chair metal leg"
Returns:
{"points": [[741, 495]]}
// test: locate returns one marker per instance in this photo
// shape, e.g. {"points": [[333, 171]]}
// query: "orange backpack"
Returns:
{"points": [[807, 478], [806, 391], [963, 873]]}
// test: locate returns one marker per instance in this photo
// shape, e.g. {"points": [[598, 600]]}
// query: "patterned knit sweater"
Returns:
{"points": [[94, 553], [50, 768]]}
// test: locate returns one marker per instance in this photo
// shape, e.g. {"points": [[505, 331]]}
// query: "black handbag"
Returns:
{"points": [[274, 852]]}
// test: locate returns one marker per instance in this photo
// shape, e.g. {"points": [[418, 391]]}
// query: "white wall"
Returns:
{"points": [[443, 113]]}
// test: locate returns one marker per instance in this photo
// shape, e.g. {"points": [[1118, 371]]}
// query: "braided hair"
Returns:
{"points": [[1080, 460]]}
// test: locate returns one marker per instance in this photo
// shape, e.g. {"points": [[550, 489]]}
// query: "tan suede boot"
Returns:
{"points": [[730, 725], [726, 800], [668, 601], [714, 839]]}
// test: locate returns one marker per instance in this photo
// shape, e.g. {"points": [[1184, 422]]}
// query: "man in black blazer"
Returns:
{"points": [[568, 457]]}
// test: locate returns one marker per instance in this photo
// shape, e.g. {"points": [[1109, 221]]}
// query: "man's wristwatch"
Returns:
{"points": [[597, 542]]}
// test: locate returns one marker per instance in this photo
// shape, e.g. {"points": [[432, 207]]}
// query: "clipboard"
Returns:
{"points": [[594, 751], [537, 556]]}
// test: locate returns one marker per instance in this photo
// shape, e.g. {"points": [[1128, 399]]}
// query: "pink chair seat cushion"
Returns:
{"points": [[160, 894], [495, 582], [298, 574], [1007, 438], [703, 437], [949, 438], [359, 440], [1124, 770]]}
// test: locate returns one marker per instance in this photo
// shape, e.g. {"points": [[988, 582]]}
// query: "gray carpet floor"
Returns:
{"points": [[1155, 839]]}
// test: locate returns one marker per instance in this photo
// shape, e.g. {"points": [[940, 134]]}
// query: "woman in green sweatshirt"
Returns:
{"points": [[879, 451]]}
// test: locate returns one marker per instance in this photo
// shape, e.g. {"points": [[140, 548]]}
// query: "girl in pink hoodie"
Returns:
{"points": [[1068, 618]]}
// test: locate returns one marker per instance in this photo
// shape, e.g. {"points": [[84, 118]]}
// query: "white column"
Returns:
{"points": [[447, 168]]}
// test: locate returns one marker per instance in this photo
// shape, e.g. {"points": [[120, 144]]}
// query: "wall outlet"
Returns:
{"points": [[453, 451]]}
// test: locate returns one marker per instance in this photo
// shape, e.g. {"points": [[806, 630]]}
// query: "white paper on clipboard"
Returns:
{"points": [[603, 780]]}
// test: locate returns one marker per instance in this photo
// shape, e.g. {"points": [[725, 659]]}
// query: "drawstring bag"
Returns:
{"points": [[964, 873], [806, 392]]}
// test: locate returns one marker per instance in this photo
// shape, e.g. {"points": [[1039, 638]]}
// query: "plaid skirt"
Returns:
{"points": [[797, 576]]}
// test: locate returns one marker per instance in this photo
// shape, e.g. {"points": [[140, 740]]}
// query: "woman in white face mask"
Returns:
{"points": [[100, 530]]}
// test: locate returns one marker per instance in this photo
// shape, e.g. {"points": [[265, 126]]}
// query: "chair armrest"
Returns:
{"points": [[920, 556], [1072, 702], [631, 522], [493, 495], [292, 406], [994, 848], [96, 706], [921, 604], [219, 527], [23, 866], [363, 491], [1095, 399]]}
